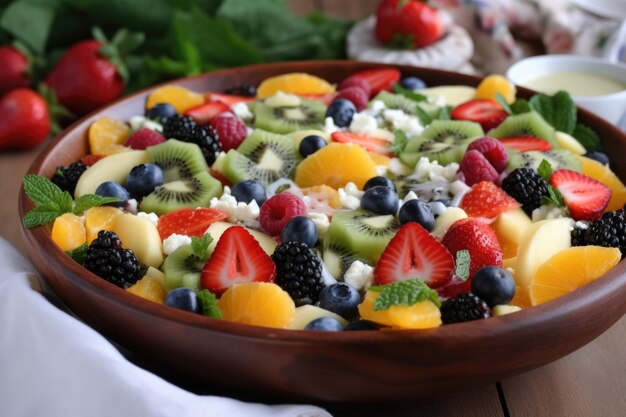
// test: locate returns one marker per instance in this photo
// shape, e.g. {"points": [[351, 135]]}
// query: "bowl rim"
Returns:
{"points": [[614, 280]]}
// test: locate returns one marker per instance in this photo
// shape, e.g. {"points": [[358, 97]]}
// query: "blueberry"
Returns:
{"points": [[340, 298], [161, 112], [300, 229], [184, 299], [341, 111], [419, 212], [412, 83], [325, 324], [598, 156], [374, 181], [438, 207], [248, 190], [143, 179], [380, 200], [311, 144], [494, 285], [362, 325], [113, 189]]}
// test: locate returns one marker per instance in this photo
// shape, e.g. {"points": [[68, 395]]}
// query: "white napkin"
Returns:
{"points": [[55, 366]]}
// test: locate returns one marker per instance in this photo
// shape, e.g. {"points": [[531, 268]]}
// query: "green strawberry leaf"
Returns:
{"points": [[200, 246], [398, 89], [88, 201], [462, 264], [209, 304], [502, 102], [79, 254], [399, 141], [545, 170], [403, 293], [587, 137]]}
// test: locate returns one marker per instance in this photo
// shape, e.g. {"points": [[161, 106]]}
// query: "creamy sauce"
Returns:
{"points": [[578, 84]]}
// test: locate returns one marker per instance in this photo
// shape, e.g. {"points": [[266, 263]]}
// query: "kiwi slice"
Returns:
{"points": [[558, 158], [182, 268], [337, 258], [191, 192], [443, 140], [178, 159], [310, 114], [363, 234], [263, 156], [525, 124]]}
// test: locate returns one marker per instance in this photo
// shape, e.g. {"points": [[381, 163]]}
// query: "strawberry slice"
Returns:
{"points": [[378, 79], [414, 253], [370, 143], [487, 200], [585, 197], [486, 112], [91, 159], [188, 221], [237, 258], [228, 99], [526, 143], [204, 113]]}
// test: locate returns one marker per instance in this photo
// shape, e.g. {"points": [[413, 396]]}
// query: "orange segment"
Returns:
{"points": [[603, 174], [99, 218], [294, 83], [493, 84], [421, 315], [181, 98], [258, 304], [379, 159], [323, 194], [335, 165], [150, 289], [68, 231], [570, 269], [106, 136]]}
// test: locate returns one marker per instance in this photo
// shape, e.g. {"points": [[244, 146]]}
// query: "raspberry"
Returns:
{"points": [[356, 82], [493, 150], [356, 95], [476, 168], [143, 138], [231, 131], [278, 210]]}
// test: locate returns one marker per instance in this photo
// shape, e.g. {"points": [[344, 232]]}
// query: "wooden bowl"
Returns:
{"points": [[327, 367]]}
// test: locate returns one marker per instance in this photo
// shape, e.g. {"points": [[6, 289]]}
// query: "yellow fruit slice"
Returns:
{"points": [[257, 303], [107, 135], [421, 315], [493, 84], [99, 218], [570, 269], [603, 174], [323, 194], [569, 143], [181, 98], [335, 165], [68, 231], [294, 83], [379, 159], [150, 289]]}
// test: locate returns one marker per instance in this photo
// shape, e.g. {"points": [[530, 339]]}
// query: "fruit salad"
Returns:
{"points": [[376, 203]]}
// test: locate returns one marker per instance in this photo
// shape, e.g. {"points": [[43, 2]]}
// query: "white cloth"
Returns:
{"points": [[55, 366]]}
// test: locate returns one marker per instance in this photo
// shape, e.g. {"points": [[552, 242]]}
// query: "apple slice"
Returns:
{"points": [[141, 236], [115, 167]]}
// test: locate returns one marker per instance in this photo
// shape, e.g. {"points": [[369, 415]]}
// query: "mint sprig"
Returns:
{"points": [[209, 304], [545, 170], [399, 141], [554, 197], [462, 264], [403, 293], [200, 246], [411, 95], [520, 106]]}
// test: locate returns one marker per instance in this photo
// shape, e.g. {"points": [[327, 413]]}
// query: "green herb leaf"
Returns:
{"points": [[554, 198], [545, 170], [520, 106], [462, 263], [403, 293], [502, 102], [587, 137], [425, 118], [543, 105], [79, 254], [200, 246], [564, 112], [399, 141], [44, 192], [444, 113], [88, 201], [398, 89], [209, 304], [40, 216]]}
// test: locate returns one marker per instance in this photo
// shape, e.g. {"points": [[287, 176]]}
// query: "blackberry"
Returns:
{"points": [[66, 177], [464, 307], [527, 187], [243, 90], [578, 235], [207, 139], [609, 231], [298, 271], [107, 259], [185, 129]]}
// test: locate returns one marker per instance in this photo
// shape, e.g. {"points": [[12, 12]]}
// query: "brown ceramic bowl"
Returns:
{"points": [[355, 367]]}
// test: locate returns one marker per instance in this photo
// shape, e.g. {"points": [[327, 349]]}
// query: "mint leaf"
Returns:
{"points": [[425, 118], [554, 198], [502, 102], [444, 113], [543, 105], [399, 141], [398, 89], [587, 137], [40, 216], [462, 263], [209, 304], [564, 112], [44, 192], [200, 246], [403, 293], [520, 106], [88, 201], [545, 170], [79, 254]]}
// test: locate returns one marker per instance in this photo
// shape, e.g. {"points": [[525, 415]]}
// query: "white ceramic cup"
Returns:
{"points": [[611, 107]]}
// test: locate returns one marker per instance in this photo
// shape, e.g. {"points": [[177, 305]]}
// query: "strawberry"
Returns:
{"points": [[487, 200], [356, 82], [143, 138], [455, 287], [414, 253], [474, 167], [407, 23], [526, 143], [204, 113], [91, 159], [378, 79], [491, 149], [585, 197], [231, 131], [237, 258], [370, 143], [486, 112], [478, 239], [24, 119], [356, 95], [187, 221], [226, 98], [14, 69]]}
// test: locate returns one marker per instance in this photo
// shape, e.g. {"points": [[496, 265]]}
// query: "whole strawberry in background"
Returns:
{"points": [[13, 69], [24, 119], [407, 23]]}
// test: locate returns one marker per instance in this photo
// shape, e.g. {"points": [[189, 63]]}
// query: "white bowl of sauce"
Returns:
{"points": [[593, 83]]}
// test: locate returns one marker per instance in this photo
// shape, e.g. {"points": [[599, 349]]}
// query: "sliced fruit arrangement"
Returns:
{"points": [[377, 204]]}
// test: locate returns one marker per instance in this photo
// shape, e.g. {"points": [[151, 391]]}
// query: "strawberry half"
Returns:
{"points": [[486, 112], [487, 200], [414, 253], [204, 113], [526, 143], [370, 143], [585, 197], [378, 79], [188, 221], [237, 258], [226, 98]]}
